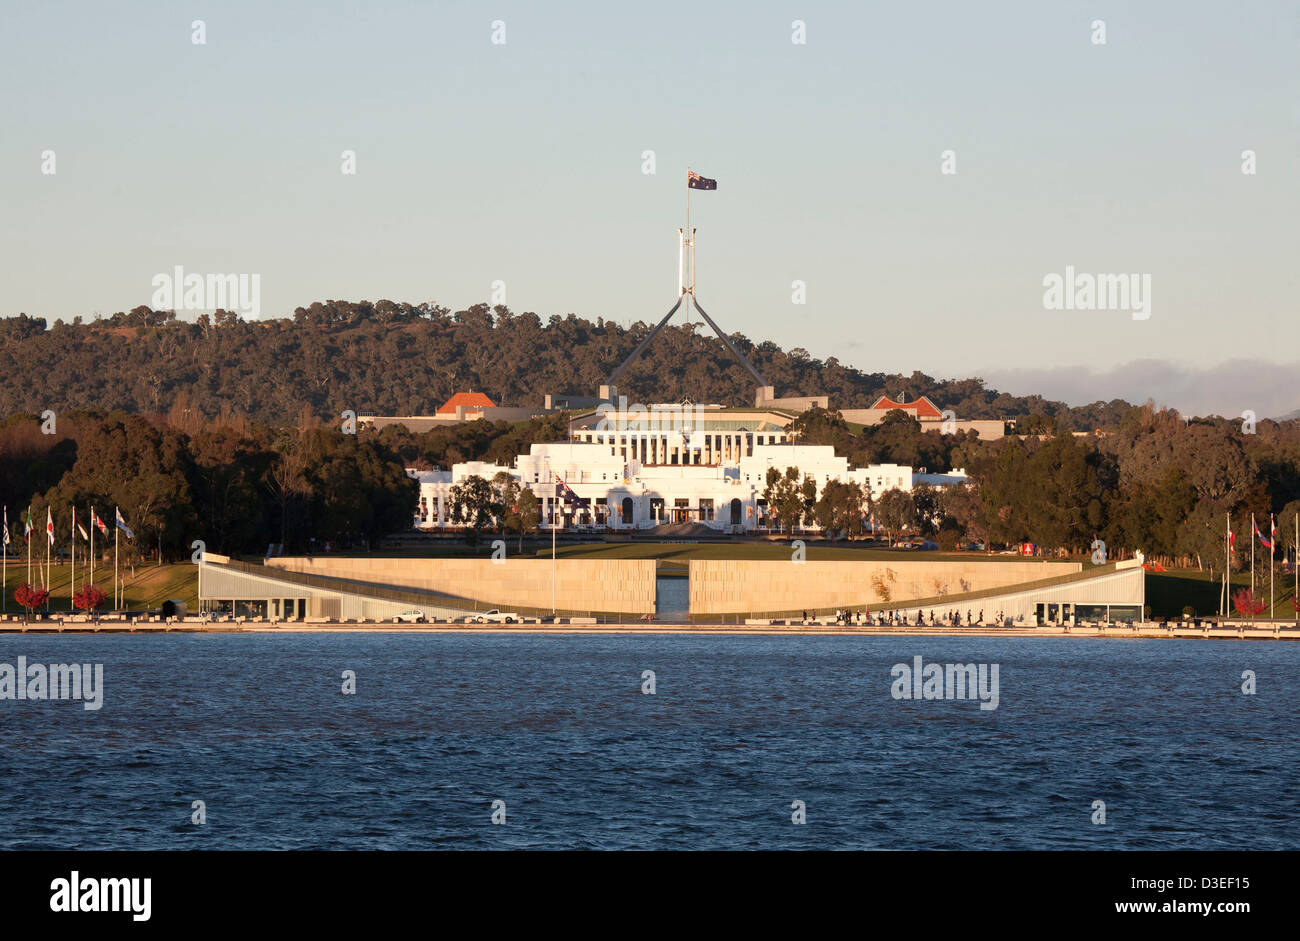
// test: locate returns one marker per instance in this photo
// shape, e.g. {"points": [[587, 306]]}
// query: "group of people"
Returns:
{"points": [[950, 618]]}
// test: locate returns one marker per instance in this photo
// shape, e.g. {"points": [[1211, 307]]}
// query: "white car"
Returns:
{"points": [[497, 616], [411, 617]]}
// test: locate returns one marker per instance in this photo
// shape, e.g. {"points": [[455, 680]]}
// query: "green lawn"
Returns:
{"points": [[1168, 592], [148, 588]]}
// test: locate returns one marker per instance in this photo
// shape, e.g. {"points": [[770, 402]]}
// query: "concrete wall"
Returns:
{"points": [[625, 585], [737, 587]]}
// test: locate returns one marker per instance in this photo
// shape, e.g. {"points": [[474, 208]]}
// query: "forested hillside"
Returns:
{"points": [[396, 358]]}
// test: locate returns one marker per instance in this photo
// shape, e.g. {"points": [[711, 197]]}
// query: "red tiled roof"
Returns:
{"points": [[466, 399], [922, 407]]}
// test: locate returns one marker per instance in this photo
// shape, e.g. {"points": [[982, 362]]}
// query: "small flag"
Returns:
{"points": [[1232, 539], [121, 524], [564, 490], [81, 529], [27, 525], [97, 520], [49, 524], [1262, 538], [696, 182], [6, 526]]}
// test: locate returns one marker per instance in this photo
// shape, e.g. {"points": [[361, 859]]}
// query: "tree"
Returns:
{"points": [[506, 496], [473, 503], [838, 510], [530, 514], [896, 511], [359, 488], [89, 598], [287, 481], [31, 598], [785, 497]]}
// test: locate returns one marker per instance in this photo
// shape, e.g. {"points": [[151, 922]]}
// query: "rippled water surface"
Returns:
{"points": [[738, 729]]}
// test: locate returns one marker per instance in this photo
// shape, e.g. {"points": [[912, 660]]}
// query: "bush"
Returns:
{"points": [[1189, 611], [1245, 603], [31, 598], [89, 598]]}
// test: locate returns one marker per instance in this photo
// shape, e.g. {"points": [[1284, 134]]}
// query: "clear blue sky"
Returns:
{"points": [[522, 162]]}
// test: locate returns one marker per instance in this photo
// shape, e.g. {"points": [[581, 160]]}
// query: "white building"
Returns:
{"points": [[708, 477]]}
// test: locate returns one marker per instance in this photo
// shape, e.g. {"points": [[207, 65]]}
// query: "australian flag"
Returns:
{"points": [[566, 492], [696, 182]]}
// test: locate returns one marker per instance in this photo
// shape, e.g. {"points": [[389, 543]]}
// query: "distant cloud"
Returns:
{"points": [[1228, 389]]}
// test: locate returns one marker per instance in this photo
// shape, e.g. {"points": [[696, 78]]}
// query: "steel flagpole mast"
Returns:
{"points": [[115, 529], [1252, 560], [1272, 549], [4, 568], [92, 547], [688, 285], [72, 583]]}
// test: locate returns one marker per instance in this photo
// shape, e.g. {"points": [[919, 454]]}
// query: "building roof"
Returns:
{"points": [[467, 400], [922, 407]]}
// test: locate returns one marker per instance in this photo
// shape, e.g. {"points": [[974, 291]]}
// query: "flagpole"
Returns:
{"points": [[27, 535], [72, 585], [4, 568], [690, 275], [92, 547], [1227, 561], [1252, 560], [115, 604], [49, 585], [554, 502], [1272, 535]]}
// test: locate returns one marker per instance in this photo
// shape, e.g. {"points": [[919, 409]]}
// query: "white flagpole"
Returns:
{"points": [[92, 547], [27, 535], [4, 567], [1227, 561], [1272, 535], [49, 585], [72, 585], [115, 604], [1252, 559], [554, 575]]}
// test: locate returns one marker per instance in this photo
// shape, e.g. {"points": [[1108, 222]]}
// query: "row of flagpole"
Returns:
{"points": [[96, 521], [1270, 543]]}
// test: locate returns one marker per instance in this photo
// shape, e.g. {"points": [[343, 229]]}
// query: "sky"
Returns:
{"points": [[523, 162]]}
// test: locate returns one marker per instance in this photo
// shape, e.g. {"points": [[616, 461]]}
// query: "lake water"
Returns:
{"points": [[737, 729]]}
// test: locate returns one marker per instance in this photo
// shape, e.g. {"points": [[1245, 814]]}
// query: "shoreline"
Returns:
{"points": [[1140, 632]]}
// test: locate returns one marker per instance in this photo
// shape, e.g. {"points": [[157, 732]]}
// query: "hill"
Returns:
{"points": [[396, 358]]}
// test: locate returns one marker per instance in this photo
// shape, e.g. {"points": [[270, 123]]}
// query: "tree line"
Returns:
{"points": [[1158, 483], [396, 358], [233, 484]]}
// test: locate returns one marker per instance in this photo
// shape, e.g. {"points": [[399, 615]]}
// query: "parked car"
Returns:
{"points": [[411, 617], [495, 615]]}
